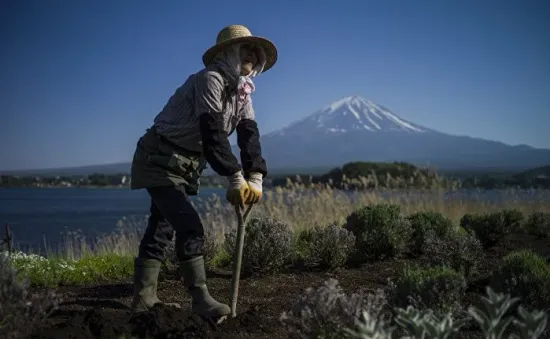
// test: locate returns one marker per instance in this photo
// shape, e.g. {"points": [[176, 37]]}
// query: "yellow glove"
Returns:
{"points": [[255, 184], [237, 191]]}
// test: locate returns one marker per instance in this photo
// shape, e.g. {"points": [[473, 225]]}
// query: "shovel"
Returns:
{"points": [[238, 256]]}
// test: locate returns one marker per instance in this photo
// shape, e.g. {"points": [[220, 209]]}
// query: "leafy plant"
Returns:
{"points": [[327, 312]]}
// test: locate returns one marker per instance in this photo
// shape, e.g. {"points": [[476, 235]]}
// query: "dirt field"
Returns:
{"points": [[102, 311]]}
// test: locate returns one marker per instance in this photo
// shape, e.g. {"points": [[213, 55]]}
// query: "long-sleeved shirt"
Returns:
{"points": [[202, 114]]}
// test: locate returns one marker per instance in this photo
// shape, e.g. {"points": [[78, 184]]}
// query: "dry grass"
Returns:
{"points": [[303, 206]]}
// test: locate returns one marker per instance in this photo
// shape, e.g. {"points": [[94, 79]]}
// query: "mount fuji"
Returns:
{"points": [[356, 129]]}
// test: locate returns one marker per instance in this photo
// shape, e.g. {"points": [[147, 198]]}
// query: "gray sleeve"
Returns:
{"points": [[247, 112], [209, 93]]}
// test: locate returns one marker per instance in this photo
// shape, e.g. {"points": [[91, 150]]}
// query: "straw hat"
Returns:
{"points": [[238, 33]]}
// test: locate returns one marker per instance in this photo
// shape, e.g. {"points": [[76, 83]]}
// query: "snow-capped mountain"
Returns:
{"points": [[356, 129], [352, 113]]}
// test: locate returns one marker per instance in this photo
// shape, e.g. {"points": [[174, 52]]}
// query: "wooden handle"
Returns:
{"points": [[238, 256]]}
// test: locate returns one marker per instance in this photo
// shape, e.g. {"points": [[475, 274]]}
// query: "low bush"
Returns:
{"points": [[326, 246], [19, 311], [538, 224], [326, 312], [438, 288], [458, 250], [525, 275], [267, 245], [380, 231], [424, 222], [491, 228]]}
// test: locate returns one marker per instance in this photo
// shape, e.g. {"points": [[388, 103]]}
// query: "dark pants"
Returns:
{"points": [[172, 213]]}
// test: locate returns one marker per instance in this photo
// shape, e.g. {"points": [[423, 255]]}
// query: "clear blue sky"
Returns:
{"points": [[82, 80]]}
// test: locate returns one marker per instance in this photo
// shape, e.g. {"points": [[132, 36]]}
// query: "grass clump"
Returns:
{"points": [[525, 275], [328, 247], [267, 245], [20, 312], [458, 250], [380, 231], [423, 222], [538, 224], [438, 288]]}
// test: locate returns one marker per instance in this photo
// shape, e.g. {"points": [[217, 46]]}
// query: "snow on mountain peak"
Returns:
{"points": [[352, 113], [356, 113]]}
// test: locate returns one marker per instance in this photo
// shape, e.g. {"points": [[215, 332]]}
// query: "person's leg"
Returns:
{"points": [[157, 236], [178, 211]]}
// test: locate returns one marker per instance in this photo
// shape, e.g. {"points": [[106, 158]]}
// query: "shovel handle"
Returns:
{"points": [[238, 256]]}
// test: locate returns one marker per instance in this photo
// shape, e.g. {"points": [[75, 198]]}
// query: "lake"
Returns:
{"points": [[37, 214]]}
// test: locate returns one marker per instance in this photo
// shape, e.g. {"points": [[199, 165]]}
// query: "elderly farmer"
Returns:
{"points": [[191, 130]]}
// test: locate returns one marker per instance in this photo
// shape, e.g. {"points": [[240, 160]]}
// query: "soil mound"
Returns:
{"points": [[159, 322]]}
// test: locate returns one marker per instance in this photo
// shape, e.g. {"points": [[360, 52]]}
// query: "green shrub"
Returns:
{"points": [[267, 245], [380, 231], [438, 288], [326, 312], [326, 246], [491, 228], [19, 311], [422, 222], [459, 250], [538, 224], [526, 275]]}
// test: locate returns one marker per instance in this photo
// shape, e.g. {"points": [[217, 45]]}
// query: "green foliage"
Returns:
{"points": [[267, 245], [51, 272], [491, 228], [327, 312], [326, 246], [380, 231], [423, 222], [458, 250], [438, 288], [526, 275], [425, 324], [538, 224], [19, 311]]}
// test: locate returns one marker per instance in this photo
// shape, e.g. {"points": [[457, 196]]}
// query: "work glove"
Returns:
{"points": [[237, 191], [255, 185]]}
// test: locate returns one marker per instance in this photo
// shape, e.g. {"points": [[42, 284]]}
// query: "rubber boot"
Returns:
{"points": [[146, 272], [203, 304]]}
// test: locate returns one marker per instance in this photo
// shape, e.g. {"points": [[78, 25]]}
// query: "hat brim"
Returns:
{"points": [[268, 46]]}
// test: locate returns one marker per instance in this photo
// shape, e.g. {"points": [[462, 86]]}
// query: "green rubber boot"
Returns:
{"points": [[194, 277], [146, 272]]}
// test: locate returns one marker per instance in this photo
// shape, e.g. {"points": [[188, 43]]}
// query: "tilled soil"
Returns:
{"points": [[102, 311]]}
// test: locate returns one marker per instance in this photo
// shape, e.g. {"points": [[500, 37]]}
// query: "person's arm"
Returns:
{"points": [[209, 107], [248, 139]]}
